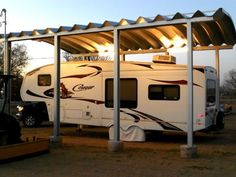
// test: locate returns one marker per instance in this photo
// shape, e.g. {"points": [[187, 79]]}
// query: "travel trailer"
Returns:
{"points": [[153, 96]]}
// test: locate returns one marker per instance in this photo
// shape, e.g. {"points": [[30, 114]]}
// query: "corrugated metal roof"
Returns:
{"points": [[218, 32]]}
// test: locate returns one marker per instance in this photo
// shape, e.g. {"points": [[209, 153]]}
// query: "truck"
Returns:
{"points": [[153, 96]]}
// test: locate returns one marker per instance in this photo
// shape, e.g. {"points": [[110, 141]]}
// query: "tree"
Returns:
{"points": [[229, 83], [67, 56], [19, 59]]}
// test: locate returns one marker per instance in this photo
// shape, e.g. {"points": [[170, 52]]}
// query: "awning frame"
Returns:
{"points": [[116, 33]]}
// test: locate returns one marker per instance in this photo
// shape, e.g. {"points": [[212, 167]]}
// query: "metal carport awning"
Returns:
{"points": [[212, 30]]}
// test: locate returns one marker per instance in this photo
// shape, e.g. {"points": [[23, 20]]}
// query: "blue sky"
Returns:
{"points": [[29, 15]]}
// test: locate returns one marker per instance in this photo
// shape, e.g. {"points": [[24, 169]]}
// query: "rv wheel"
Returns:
{"points": [[30, 121]]}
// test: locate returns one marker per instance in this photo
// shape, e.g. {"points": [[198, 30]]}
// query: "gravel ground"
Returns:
{"points": [[84, 154]]}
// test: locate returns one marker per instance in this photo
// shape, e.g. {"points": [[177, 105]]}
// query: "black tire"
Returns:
{"points": [[30, 121], [220, 120]]}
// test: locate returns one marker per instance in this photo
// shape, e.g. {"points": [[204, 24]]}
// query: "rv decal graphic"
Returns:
{"points": [[89, 100], [78, 76], [64, 93], [34, 94], [49, 92], [179, 82], [97, 71], [81, 87], [137, 115], [136, 118], [145, 65], [163, 124]]}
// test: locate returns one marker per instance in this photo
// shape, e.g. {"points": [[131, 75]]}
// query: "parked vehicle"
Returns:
{"points": [[226, 108], [153, 95], [32, 114], [10, 130]]}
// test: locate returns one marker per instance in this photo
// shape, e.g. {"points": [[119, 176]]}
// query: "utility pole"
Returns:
{"points": [[6, 65]]}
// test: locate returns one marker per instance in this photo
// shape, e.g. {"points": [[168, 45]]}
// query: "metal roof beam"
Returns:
{"points": [[143, 51], [164, 23], [67, 33], [87, 31], [14, 39], [201, 48]]}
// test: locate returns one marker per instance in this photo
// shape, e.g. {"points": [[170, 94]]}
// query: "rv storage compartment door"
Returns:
{"points": [[73, 113]]}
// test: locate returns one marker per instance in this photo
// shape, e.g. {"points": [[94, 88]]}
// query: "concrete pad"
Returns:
{"points": [[115, 146], [188, 152], [55, 141]]}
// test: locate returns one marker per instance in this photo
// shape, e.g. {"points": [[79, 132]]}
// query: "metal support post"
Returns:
{"points": [[7, 63], [56, 126], [190, 85], [115, 145], [7, 71], [217, 61], [6, 51], [189, 151], [116, 87]]}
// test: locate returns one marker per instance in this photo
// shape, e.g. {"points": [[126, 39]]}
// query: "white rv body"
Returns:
{"points": [[153, 95]]}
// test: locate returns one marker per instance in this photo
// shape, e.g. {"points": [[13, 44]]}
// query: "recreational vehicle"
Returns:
{"points": [[153, 96]]}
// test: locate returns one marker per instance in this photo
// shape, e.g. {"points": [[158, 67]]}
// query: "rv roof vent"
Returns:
{"points": [[164, 59]]}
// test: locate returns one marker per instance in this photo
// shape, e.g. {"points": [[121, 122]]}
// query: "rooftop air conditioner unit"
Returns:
{"points": [[164, 59]]}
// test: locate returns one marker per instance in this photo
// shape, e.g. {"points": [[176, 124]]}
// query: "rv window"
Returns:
{"points": [[211, 91], [164, 92], [44, 80], [128, 93]]}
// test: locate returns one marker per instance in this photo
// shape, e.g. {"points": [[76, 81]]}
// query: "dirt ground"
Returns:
{"points": [[84, 154]]}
